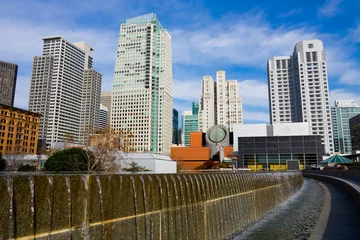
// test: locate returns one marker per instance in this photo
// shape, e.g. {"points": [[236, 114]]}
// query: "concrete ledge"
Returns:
{"points": [[350, 188]]}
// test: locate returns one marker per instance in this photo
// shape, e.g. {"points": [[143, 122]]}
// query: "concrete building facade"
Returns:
{"points": [[106, 101], [142, 84], [299, 91], [8, 77], [219, 103], [56, 88], [103, 115], [341, 114]]}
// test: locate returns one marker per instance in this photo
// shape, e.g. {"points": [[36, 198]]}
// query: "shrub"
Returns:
{"points": [[134, 167], [72, 159], [26, 168]]}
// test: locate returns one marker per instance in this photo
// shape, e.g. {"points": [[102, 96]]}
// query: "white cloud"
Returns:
{"points": [[330, 8], [351, 77], [187, 90], [254, 93], [290, 13], [343, 94]]}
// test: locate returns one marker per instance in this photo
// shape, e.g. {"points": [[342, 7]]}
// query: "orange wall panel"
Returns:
{"points": [[196, 139], [187, 165], [190, 153], [228, 150]]}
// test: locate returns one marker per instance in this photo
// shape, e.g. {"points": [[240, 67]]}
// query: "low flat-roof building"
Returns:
{"points": [[262, 146]]}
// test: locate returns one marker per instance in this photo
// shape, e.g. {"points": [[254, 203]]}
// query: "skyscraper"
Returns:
{"points": [[190, 123], [106, 101], [175, 126], [56, 88], [8, 76], [103, 114], [219, 102], [142, 84], [342, 112], [90, 102], [299, 92]]}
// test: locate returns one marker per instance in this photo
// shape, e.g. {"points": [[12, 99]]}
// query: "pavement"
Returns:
{"points": [[340, 216]]}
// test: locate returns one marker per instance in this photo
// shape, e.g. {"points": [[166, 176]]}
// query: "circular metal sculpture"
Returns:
{"points": [[217, 134]]}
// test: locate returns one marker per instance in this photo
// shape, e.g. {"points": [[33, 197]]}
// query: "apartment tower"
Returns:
{"points": [[142, 84], [219, 103], [8, 76], [299, 92], [57, 86], [341, 114]]}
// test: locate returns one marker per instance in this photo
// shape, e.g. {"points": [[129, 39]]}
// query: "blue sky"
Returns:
{"points": [[237, 36]]}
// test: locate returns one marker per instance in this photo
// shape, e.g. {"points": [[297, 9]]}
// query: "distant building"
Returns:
{"points": [[189, 123], [299, 91], [175, 126], [263, 146], [355, 133], [90, 102], [106, 101], [8, 76], [341, 114], [220, 102], [18, 131], [61, 90], [142, 98], [103, 114]]}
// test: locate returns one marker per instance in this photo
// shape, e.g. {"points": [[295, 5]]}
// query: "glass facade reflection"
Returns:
{"points": [[276, 150]]}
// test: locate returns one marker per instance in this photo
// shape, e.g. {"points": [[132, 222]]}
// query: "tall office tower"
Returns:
{"points": [[219, 103], [190, 123], [106, 101], [175, 126], [142, 85], [299, 92], [56, 88], [8, 76], [103, 115], [342, 112], [90, 104]]}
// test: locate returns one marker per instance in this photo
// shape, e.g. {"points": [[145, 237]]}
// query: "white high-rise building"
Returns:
{"points": [[142, 85], [56, 88], [106, 101], [207, 104], [299, 92], [219, 103], [90, 101], [103, 114]]}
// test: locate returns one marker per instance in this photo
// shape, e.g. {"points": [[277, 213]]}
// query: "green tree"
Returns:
{"points": [[72, 159], [134, 167], [2, 163]]}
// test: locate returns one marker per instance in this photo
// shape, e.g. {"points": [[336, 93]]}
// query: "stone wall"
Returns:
{"points": [[168, 206]]}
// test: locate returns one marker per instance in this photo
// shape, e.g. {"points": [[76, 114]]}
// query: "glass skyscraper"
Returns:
{"points": [[141, 100], [341, 114], [190, 123]]}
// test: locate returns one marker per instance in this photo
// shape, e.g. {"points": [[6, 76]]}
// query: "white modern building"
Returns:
{"points": [[56, 88], [103, 115], [299, 92], [270, 130], [142, 84], [219, 103], [106, 101]]}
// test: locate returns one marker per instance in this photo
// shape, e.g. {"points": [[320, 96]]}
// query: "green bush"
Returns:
{"points": [[2, 163], [134, 167], [26, 168], [72, 159]]}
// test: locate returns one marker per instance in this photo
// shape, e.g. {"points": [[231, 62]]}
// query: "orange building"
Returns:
{"points": [[196, 155], [18, 130]]}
